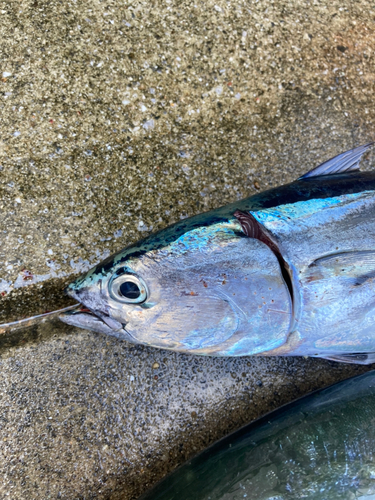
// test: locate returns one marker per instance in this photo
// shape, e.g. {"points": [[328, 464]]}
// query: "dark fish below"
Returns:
{"points": [[286, 272], [321, 447]]}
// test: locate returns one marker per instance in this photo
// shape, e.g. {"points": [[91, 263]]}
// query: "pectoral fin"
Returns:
{"points": [[359, 266], [362, 358]]}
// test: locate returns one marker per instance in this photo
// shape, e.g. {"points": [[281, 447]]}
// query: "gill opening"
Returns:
{"points": [[254, 229], [287, 275]]}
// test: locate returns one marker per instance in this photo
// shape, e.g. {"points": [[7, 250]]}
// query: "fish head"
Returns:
{"points": [[205, 290]]}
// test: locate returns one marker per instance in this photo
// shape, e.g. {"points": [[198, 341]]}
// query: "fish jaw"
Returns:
{"points": [[84, 318], [92, 299], [93, 313]]}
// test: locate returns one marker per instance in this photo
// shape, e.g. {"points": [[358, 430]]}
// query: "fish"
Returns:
{"points": [[320, 447], [286, 272]]}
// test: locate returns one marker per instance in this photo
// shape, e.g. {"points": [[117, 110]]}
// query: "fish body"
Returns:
{"points": [[320, 447], [289, 271]]}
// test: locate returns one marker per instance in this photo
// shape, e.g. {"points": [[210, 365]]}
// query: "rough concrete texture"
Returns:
{"points": [[84, 416], [118, 118]]}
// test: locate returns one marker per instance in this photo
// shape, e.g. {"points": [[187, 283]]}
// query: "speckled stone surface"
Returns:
{"points": [[84, 416], [118, 118]]}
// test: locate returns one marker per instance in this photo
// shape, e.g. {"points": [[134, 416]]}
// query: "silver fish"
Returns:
{"points": [[289, 271]]}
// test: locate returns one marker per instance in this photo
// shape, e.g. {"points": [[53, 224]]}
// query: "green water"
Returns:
{"points": [[321, 447]]}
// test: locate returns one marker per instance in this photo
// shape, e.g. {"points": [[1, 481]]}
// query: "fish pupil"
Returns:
{"points": [[130, 290]]}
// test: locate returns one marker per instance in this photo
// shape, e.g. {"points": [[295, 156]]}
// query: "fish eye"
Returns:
{"points": [[128, 288]]}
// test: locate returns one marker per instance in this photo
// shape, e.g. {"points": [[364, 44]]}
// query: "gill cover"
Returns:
{"points": [[212, 291]]}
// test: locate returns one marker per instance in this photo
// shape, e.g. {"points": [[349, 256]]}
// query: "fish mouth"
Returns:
{"points": [[83, 316], [99, 322]]}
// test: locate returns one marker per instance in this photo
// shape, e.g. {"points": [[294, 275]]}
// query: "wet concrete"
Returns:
{"points": [[84, 416], [118, 119]]}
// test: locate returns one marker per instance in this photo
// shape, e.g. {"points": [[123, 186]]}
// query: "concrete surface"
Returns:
{"points": [[118, 118], [84, 416]]}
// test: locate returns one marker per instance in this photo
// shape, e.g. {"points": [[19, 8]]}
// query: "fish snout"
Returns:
{"points": [[94, 302], [88, 296], [71, 291]]}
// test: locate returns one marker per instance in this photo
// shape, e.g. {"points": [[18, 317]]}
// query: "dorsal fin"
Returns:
{"points": [[344, 162]]}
